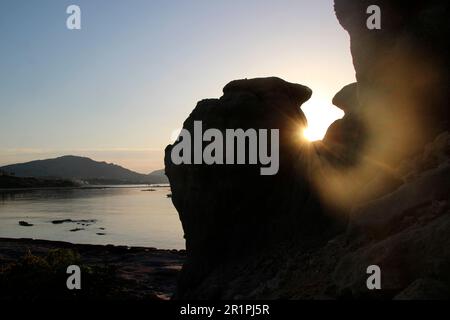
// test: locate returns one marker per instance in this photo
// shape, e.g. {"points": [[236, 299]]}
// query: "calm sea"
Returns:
{"points": [[120, 216]]}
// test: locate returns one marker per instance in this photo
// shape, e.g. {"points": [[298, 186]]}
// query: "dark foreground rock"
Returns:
{"points": [[231, 211], [345, 137], [406, 234], [384, 166], [36, 270]]}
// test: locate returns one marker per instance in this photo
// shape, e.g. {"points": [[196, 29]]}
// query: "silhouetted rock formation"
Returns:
{"points": [[345, 137], [403, 94], [406, 233], [229, 211], [400, 100], [386, 164], [402, 72]]}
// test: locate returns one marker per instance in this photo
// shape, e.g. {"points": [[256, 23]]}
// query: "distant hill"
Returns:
{"points": [[81, 168]]}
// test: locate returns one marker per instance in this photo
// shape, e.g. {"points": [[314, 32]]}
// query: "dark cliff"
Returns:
{"points": [[385, 167], [229, 212]]}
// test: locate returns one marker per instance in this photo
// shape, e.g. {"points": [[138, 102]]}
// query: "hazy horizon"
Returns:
{"points": [[80, 156], [116, 90]]}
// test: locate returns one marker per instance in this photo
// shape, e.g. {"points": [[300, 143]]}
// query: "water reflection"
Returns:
{"points": [[123, 216]]}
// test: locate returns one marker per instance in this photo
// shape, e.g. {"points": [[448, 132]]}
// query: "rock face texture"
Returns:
{"points": [[406, 232], [345, 138], [232, 211], [385, 167], [401, 71]]}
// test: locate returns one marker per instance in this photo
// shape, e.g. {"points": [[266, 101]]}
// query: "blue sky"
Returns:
{"points": [[116, 89]]}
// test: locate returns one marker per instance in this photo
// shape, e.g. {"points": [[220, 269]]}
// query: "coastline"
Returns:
{"points": [[141, 273], [87, 187]]}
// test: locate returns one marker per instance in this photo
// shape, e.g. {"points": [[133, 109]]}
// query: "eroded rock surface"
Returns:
{"points": [[231, 211], [275, 237]]}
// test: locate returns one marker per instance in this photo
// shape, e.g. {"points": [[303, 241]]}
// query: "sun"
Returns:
{"points": [[313, 134], [320, 116]]}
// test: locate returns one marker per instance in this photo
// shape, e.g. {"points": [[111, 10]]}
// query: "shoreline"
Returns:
{"points": [[145, 273], [93, 187], [66, 244]]}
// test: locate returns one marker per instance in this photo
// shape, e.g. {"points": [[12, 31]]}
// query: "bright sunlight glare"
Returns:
{"points": [[320, 115]]}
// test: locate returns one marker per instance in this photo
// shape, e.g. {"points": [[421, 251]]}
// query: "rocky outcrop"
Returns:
{"points": [[402, 93], [231, 211], [385, 166], [406, 233], [345, 138], [402, 73], [425, 289], [432, 187]]}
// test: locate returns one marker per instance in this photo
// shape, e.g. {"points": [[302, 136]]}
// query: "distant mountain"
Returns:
{"points": [[81, 168]]}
